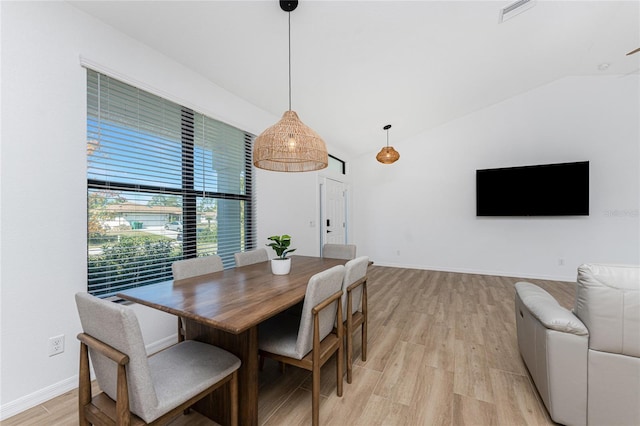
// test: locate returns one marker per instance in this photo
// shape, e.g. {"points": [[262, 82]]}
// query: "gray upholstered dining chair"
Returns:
{"points": [[311, 341], [188, 268], [250, 257], [138, 389], [339, 251], [354, 306]]}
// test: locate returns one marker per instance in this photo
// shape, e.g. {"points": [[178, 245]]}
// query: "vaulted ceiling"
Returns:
{"points": [[358, 65]]}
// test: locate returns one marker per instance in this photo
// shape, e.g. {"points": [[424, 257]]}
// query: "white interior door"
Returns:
{"points": [[333, 212]]}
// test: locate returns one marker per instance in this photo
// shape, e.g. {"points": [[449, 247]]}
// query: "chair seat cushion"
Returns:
{"points": [[186, 369], [279, 335]]}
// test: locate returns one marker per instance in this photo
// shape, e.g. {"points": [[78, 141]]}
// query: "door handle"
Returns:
{"points": [[329, 231]]}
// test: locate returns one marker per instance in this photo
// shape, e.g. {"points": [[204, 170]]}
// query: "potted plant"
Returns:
{"points": [[281, 265]]}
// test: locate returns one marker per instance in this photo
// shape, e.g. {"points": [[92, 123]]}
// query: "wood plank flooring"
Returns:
{"points": [[442, 351]]}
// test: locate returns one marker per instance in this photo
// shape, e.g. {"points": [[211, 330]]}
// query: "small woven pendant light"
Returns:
{"points": [[290, 145], [387, 154]]}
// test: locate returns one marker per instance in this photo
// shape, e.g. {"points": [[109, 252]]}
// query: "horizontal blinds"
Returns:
{"points": [[135, 136], [164, 183], [219, 157]]}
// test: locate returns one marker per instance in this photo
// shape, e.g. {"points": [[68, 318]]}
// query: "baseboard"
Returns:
{"points": [[38, 397], [481, 272], [45, 394]]}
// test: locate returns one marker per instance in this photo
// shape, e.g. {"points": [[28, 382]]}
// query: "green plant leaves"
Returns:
{"points": [[281, 245]]}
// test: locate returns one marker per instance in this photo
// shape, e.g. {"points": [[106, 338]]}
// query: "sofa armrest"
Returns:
{"points": [[546, 309]]}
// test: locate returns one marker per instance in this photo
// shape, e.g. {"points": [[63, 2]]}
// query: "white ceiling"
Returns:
{"points": [[358, 65]]}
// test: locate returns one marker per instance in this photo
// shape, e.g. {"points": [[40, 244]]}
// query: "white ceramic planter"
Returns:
{"points": [[280, 266]]}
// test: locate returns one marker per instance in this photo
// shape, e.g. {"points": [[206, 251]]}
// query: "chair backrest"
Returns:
{"points": [[244, 258], [188, 268], [339, 251], [117, 326], [321, 286], [354, 270], [608, 303]]}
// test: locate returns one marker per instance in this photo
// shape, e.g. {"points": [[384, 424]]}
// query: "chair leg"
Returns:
{"points": [[349, 356], [315, 395], [84, 388], [339, 367], [365, 314], [123, 415], [364, 340]]}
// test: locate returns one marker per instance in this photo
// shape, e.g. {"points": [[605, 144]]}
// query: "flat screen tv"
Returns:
{"points": [[542, 190]]}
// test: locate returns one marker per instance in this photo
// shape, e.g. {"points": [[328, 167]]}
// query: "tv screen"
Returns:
{"points": [[541, 190]]}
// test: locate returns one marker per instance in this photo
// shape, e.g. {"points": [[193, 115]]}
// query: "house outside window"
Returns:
{"points": [[164, 183]]}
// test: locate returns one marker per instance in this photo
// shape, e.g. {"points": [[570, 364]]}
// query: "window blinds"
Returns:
{"points": [[164, 183]]}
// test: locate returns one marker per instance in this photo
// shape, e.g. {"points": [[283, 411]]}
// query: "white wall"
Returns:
{"points": [[292, 204], [43, 176], [432, 222]]}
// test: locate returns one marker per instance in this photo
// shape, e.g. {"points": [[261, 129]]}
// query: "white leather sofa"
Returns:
{"points": [[585, 363]]}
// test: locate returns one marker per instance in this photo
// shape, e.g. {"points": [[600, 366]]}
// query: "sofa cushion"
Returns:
{"points": [[608, 303]]}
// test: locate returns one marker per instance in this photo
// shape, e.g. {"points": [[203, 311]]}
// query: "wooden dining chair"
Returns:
{"points": [[339, 251], [354, 306], [188, 268], [311, 341], [141, 390], [244, 258]]}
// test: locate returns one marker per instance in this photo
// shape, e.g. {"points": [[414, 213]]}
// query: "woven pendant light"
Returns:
{"points": [[290, 145], [387, 154]]}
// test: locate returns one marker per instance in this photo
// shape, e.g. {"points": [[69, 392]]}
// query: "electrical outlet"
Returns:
{"points": [[56, 345]]}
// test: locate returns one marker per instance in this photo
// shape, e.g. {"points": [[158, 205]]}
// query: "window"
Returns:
{"points": [[164, 183], [336, 164]]}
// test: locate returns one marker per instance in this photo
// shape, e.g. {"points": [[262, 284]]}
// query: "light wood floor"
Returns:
{"points": [[442, 351]]}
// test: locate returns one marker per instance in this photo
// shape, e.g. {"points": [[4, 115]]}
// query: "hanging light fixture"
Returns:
{"points": [[290, 145], [387, 154]]}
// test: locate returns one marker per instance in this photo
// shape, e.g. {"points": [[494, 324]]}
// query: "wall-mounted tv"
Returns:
{"points": [[541, 190]]}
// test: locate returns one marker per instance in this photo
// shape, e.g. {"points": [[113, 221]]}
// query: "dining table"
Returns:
{"points": [[225, 309]]}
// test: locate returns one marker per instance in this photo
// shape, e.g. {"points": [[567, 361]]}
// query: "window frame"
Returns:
{"points": [[340, 163]]}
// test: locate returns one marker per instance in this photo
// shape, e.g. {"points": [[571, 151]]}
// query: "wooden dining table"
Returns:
{"points": [[225, 308]]}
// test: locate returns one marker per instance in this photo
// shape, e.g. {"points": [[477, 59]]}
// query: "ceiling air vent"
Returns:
{"points": [[515, 8]]}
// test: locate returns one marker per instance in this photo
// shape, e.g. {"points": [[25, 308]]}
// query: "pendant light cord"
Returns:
{"points": [[387, 127], [289, 61]]}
